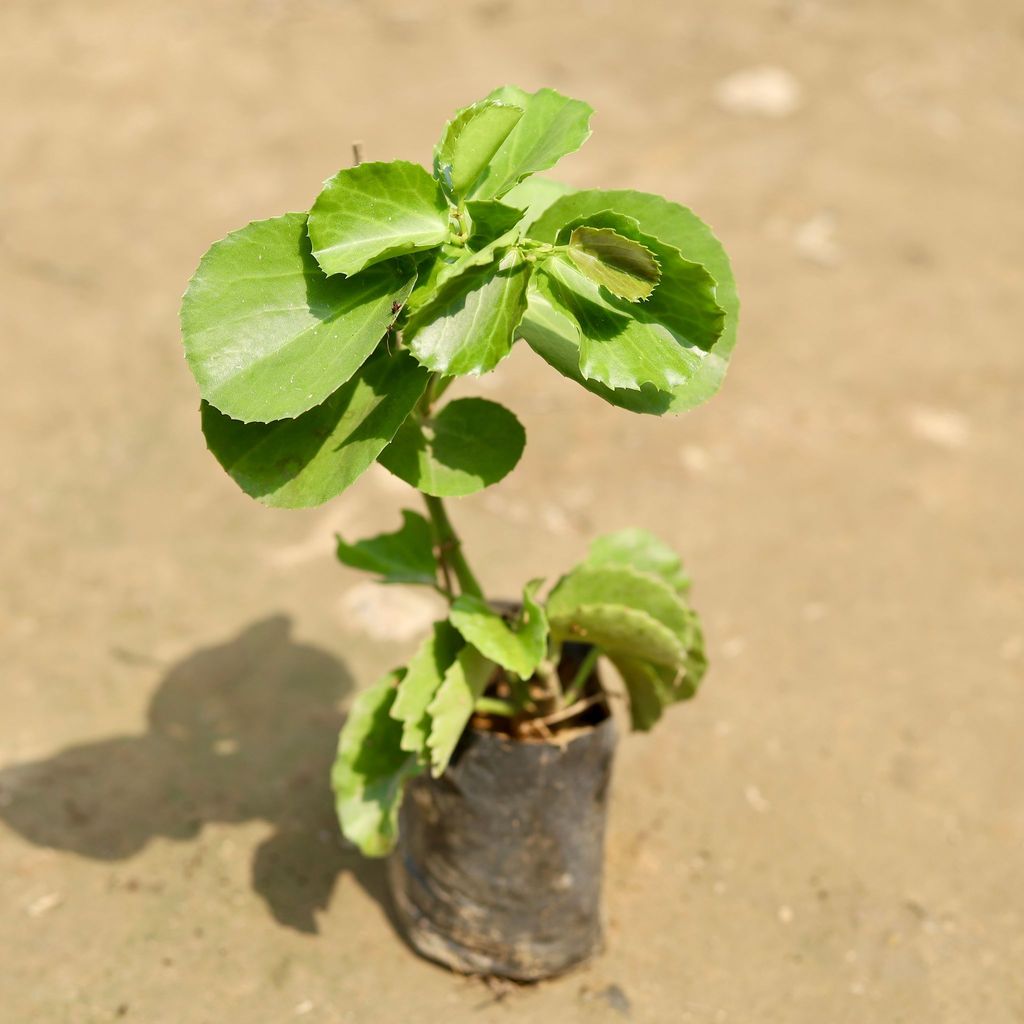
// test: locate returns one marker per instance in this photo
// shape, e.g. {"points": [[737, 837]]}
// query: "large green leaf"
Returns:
{"points": [[616, 349], [371, 770], [267, 335], [519, 646], [470, 324], [452, 706], [641, 550], [423, 678], [619, 585], [470, 139], [672, 224], [470, 444], [551, 127], [376, 211], [616, 629], [305, 461], [626, 268], [534, 195], [405, 556], [489, 220]]}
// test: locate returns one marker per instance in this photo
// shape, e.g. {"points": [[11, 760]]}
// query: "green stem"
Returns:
{"points": [[496, 706], [449, 547], [573, 690]]}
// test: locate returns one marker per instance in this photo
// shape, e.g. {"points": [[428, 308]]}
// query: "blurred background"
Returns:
{"points": [[832, 831]]}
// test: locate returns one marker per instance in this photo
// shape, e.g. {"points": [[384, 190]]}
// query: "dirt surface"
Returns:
{"points": [[833, 831]]}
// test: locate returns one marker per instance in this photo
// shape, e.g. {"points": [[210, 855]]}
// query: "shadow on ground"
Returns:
{"points": [[241, 731]]}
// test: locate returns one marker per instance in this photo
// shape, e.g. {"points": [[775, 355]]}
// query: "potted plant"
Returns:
{"points": [[326, 340]]}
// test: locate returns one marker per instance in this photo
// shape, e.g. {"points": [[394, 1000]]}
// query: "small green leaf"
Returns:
{"points": [[371, 770], [376, 211], [551, 127], [616, 629], [678, 227], [489, 220], [470, 444], [648, 692], [534, 195], [641, 550], [470, 324], [452, 706], [267, 335], [470, 139], [618, 585], [405, 556], [422, 680], [518, 647], [626, 268], [306, 461]]}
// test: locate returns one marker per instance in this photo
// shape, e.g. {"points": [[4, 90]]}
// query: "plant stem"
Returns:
{"points": [[496, 706], [449, 547], [573, 690]]}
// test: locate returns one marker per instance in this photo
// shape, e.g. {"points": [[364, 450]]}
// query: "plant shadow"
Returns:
{"points": [[245, 730]]}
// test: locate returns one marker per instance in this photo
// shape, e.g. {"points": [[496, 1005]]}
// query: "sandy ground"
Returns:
{"points": [[833, 832]]}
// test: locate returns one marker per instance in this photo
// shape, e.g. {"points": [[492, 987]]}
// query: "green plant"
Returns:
{"points": [[324, 341]]}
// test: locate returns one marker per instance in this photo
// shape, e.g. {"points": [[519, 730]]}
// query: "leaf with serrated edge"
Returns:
{"points": [[469, 326], [405, 556], [641, 550], [306, 461], [626, 268], [615, 348], [470, 139], [371, 770], [374, 212], [518, 648], [267, 335], [423, 679], [616, 629], [467, 446], [676, 226], [452, 707], [619, 585], [551, 127]]}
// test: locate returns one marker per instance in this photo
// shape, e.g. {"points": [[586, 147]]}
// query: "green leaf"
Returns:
{"points": [[518, 647], [616, 629], [534, 196], [618, 585], [552, 126], [626, 268], [673, 225], [469, 325], [267, 336], [422, 680], [306, 461], [470, 444], [648, 692], [641, 550], [376, 211], [616, 348], [489, 220], [371, 770], [405, 556], [470, 139], [452, 707]]}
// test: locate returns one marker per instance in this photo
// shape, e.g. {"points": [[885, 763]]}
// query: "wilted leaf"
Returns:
{"points": [[422, 680], [518, 647], [648, 692], [469, 325], [470, 444], [405, 556], [452, 707], [308, 460], [267, 335], [371, 770], [470, 139], [626, 268], [376, 211], [551, 127]]}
